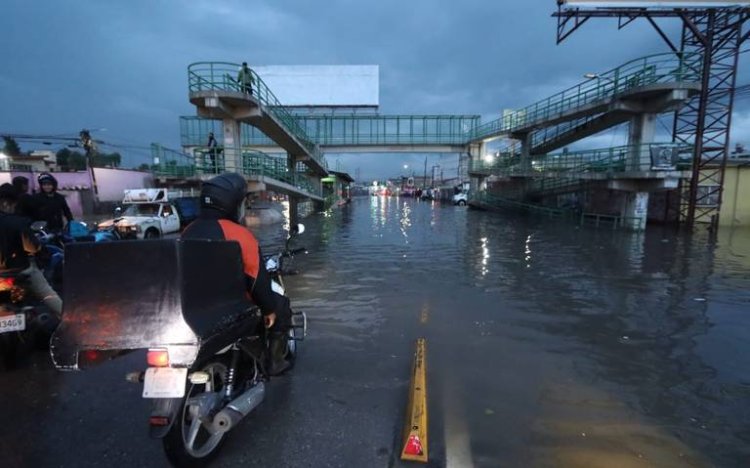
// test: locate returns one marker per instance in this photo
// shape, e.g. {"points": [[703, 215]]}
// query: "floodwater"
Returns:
{"points": [[547, 345]]}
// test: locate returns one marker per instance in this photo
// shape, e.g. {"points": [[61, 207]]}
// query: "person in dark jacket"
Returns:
{"points": [[222, 211], [50, 206], [25, 204], [17, 244]]}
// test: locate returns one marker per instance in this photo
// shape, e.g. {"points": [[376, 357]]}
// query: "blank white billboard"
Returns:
{"points": [[323, 85], [653, 4]]}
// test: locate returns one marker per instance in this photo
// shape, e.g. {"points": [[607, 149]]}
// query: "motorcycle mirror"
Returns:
{"points": [[118, 210], [38, 226]]}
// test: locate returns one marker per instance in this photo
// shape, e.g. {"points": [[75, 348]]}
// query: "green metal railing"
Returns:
{"points": [[348, 130], [575, 162], [500, 164], [220, 76], [497, 201], [653, 69], [171, 163], [562, 132], [261, 164], [354, 130], [485, 199]]}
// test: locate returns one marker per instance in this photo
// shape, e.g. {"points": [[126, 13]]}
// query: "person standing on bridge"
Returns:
{"points": [[213, 149], [245, 79]]}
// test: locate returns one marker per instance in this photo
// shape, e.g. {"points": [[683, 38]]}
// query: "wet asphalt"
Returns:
{"points": [[547, 345]]}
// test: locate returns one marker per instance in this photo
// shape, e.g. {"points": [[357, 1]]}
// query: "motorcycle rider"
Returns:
{"points": [[50, 206], [17, 244], [222, 202]]}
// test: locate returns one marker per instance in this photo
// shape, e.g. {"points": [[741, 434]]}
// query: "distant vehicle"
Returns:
{"points": [[461, 199], [148, 214]]}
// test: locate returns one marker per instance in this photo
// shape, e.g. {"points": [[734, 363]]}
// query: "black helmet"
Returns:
{"points": [[8, 192], [47, 178], [19, 181], [224, 193]]}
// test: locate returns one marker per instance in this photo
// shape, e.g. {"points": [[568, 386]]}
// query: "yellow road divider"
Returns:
{"points": [[415, 431]]}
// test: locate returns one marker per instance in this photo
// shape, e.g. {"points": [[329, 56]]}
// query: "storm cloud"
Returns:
{"points": [[123, 65]]}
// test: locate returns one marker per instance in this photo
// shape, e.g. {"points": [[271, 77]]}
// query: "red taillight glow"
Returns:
{"points": [[157, 358], [158, 420], [6, 284]]}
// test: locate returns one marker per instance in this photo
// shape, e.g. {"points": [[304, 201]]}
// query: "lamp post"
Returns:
{"points": [[598, 78]]}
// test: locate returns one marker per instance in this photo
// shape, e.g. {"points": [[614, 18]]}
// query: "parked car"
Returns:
{"points": [[461, 199]]}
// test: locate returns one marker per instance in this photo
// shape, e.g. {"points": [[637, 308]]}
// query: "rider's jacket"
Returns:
{"points": [[51, 208], [210, 225], [17, 242]]}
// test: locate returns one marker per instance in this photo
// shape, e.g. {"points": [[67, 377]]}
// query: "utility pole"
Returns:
{"points": [[424, 178], [90, 147]]}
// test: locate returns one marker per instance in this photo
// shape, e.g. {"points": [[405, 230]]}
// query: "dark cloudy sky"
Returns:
{"points": [[122, 65]]}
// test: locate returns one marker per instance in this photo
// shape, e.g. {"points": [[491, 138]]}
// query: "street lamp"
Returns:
{"points": [[596, 76]]}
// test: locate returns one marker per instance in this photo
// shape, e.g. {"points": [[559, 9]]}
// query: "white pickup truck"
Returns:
{"points": [[146, 214]]}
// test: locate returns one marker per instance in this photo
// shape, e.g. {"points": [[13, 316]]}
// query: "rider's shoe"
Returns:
{"points": [[279, 367], [279, 363]]}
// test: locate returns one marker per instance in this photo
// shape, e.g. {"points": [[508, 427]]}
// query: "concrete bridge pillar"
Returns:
{"points": [[526, 152], [642, 133], [293, 211], [473, 153], [232, 146], [635, 211]]}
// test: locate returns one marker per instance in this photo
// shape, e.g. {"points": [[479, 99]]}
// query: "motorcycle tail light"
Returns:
{"points": [[157, 357], [6, 284], [158, 421]]}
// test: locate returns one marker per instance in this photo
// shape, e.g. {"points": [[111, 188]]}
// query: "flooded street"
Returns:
{"points": [[547, 345]]}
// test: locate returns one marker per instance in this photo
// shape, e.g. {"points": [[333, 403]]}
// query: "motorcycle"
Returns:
{"points": [[78, 231], [50, 259], [278, 265], [25, 324], [207, 347]]}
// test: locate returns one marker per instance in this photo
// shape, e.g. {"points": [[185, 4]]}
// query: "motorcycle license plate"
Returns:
{"points": [[10, 323], [164, 382]]}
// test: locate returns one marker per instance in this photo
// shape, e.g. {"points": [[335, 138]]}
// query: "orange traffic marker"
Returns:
{"points": [[415, 432]]}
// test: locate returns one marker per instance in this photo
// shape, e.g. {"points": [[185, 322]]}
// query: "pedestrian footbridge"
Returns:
{"points": [[255, 123], [350, 133], [216, 94], [652, 84]]}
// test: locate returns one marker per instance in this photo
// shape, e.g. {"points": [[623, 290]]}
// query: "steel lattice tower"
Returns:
{"points": [[717, 35]]}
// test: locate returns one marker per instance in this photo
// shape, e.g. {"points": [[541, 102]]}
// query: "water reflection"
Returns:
{"points": [[549, 331], [405, 221], [485, 256]]}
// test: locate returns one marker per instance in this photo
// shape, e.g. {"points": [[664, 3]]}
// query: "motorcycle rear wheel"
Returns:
{"points": [[188, 443]]}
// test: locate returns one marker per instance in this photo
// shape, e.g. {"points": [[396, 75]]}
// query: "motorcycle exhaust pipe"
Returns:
{"points": [[238, 408]]}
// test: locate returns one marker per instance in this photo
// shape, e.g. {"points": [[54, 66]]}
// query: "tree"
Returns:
{"points": [[106, 159], [71, 160], [11, 147]]}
